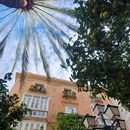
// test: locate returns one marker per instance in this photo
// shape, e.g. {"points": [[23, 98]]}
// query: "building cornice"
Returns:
{"points": [[30, 76]]}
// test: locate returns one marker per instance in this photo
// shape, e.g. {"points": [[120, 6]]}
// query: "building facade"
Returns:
{"points": [[46, 98]]}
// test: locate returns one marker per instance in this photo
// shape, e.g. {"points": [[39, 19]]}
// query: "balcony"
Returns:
{"points": [[37, 114], [68, 93], [40, 88]]}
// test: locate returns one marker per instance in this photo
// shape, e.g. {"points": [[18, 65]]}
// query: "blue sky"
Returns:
{"points": [[7, 60]]}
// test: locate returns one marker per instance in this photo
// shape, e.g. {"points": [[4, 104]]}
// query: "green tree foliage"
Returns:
{"points": [[10, 112], [69, 122], [100, 60]]}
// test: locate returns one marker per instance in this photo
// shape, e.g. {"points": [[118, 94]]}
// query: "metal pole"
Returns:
{"points": [[105, 125], [102, 117]]}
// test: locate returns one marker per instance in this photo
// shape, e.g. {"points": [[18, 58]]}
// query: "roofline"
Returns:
{"points": [[29, 75]]}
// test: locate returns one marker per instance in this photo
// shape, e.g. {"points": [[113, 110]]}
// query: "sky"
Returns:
{"points": [[6, 62]]}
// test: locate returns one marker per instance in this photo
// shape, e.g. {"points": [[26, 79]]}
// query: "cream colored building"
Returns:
{"points": [[47, 98]]}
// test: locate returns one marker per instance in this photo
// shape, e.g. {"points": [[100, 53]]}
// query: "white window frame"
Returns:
{"points": [[67, 108], [43, 114], [42, 99], [45, 99], [23, 126]]}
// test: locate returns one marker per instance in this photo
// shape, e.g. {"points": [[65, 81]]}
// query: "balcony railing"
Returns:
{"points": [[68, 93], [38, 88], [35, 113]]}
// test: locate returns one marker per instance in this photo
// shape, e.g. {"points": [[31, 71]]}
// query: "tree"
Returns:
{"points": [[31, 21], [10, 112], [69, 122], [100, 60]]}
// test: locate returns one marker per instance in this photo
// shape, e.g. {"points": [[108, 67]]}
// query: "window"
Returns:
{"points": [[26, 126], [27, 100], [41, 114], [37, 104], [31, 126], [70, 110]]}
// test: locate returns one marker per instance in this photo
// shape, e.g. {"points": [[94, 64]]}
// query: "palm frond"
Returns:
{"points": [[53, 23], [51, 19], [7, 15], [59, 54], [18, 51], [44, 57], [2, 45], [4, 9], [40, 16], [3, 42], [42, 53], [52, 37], [35, 49], [34, 37], [25, 56], [66, 11], [7, 24]]}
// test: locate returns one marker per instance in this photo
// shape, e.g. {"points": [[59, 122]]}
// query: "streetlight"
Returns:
{"points": [[89, 121], [119, 124], [112, 111], [98, 109], [112, 122]]}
